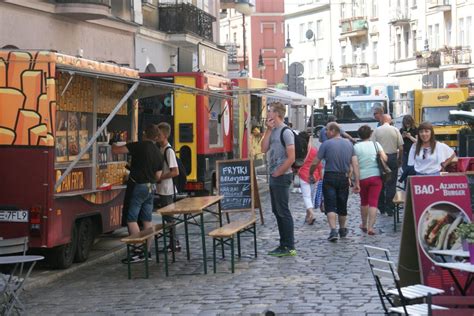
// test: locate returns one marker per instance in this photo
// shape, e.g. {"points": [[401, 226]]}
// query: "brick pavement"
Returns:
{"points": [[324, 279]]}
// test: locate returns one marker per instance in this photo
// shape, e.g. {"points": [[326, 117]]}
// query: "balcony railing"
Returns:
{"points": [[455, 56], [434, 61], [99, 2], [355, 70], [399, 17], [84, 9], [185, 18], [355, 26], [441, 5]]}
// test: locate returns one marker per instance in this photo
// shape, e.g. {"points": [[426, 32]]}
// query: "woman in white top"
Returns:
{"points": [[428, 156]]}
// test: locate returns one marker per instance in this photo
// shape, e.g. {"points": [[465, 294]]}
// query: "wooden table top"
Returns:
{"points": [[191, 205]]}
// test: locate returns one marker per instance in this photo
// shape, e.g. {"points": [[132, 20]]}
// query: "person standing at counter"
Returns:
{"points": [[428, 156], [145, 171], [280, 157]]}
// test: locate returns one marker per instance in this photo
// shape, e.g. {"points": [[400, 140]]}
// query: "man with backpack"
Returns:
{"points": [[166, 189], [280, 157]]}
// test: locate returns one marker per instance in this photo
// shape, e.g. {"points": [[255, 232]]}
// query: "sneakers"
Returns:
{"points": [[343, 232], [333, 236], [282, 252], [136, 257], [177, 248]]}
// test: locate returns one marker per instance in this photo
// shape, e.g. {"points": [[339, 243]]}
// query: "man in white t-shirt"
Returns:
{"points": [[165, 187]]}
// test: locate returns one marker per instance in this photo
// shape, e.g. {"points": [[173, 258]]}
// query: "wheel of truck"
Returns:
{"points": [[61, 257], [85, 239]]}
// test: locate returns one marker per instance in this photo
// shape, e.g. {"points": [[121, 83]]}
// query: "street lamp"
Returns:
{"points": [[261, 64], [426, 53], [244, 6], [288, 49], [330, 72]]}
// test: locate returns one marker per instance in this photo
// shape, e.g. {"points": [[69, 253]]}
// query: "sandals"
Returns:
{"points": [[371, 232], [362, 228]]}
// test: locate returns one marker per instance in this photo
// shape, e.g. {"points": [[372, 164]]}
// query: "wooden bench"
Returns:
{"points": [[138, 241], [399, 202], [225, 236]]}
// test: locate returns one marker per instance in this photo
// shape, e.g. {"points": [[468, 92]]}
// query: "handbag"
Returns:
{"points": [[385, 172]]}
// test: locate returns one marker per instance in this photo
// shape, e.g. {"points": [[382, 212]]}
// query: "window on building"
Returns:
{"points": [[374, 53], [414, 3], [355, 49], [311, 27], [343, 55], [311, 68], [430, 36], [319, 29], [320, 68], [461, 32], [353, 8], [343, 9], [363, 8], [399, 46], [468, 31], [436, 36], [413, 42], [407, 44], [235, 37], [375, 9], [448, 33], [362, 54], [302, 33]]}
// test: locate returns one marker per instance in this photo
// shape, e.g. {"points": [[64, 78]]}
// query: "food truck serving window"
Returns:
{"points": [[216, 133]]}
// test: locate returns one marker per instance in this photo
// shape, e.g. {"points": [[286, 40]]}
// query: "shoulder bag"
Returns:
{"points": [[385, 172]]}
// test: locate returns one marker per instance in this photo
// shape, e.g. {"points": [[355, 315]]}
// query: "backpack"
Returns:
{"points": [[180, 180], [301, 147]]}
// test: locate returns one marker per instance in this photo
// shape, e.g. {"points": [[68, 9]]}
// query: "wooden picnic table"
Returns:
{"points": [[190, 208]]}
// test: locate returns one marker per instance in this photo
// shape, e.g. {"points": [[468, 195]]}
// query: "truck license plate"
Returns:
{"points": [[18, 216]]}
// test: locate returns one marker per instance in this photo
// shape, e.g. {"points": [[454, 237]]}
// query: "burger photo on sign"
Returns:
{"points": [[437, 228]]}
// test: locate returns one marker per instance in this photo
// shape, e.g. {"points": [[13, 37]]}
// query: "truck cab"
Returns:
{"points": [[434, 105], [354, 111]]}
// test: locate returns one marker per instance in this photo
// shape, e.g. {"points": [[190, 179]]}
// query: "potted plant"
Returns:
{"points": [[463, 232], [466, 232]]}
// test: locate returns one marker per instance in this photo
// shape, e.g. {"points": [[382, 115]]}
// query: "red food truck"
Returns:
{"points": [[56, 115]]}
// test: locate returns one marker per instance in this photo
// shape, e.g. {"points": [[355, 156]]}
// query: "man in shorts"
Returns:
{"points": [[340, 161], [145, 171]]}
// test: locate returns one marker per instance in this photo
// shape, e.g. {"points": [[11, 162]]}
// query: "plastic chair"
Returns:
{"points": [[383, 268]]}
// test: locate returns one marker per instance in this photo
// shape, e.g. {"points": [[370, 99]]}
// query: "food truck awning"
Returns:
{"points": [[287, 97], [146, 87]]}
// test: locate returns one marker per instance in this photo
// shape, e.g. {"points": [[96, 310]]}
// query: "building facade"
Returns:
{"points": [[263, 34], [423, 43]]}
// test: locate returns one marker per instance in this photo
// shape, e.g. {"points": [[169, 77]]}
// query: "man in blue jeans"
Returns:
{"points": [[340, 161], [145, 170], [280, 157]]}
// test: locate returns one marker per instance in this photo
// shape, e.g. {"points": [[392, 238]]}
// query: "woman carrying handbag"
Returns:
{"points": [[370, 177]]}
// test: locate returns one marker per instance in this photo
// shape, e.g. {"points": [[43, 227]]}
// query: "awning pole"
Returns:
{"points": [[94, 137], [71, 76]]}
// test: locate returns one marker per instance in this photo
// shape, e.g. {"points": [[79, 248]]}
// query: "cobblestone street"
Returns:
{"points": [[324, 279]]}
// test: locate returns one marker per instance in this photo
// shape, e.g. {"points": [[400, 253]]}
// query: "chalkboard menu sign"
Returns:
{"points": [[235, 182]]}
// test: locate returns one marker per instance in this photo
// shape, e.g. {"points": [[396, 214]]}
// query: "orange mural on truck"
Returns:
{"points": [[30, 93], [27, 98]]}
